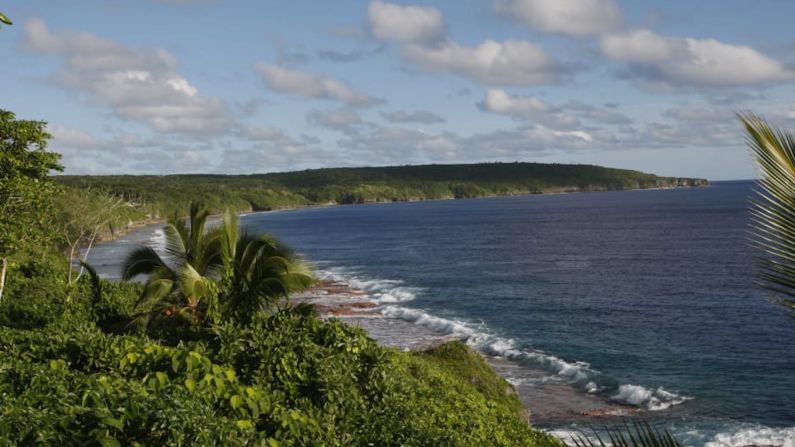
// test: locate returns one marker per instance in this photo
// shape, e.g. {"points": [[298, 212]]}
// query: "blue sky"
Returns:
{"points": [[176, 86]]}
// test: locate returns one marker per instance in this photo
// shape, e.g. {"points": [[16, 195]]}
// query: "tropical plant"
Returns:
{"points": [[638, 434], [210, 274], [258, 271], [179, 284], [773, 209]]}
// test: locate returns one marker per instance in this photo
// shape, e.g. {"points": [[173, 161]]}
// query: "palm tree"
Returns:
{"points": [[214, 274], [180, 284], [773, 209], [258, 271]]}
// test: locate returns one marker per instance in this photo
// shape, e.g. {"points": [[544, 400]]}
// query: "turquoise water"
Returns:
{"points": [[641, 299]]}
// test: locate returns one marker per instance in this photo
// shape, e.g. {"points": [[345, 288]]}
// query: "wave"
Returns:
{"points": [[640, 396], [579, 374], [388, 293], [381, 291], [757, 435]]}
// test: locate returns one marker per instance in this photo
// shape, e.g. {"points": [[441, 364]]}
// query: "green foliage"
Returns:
{"points": [[286, 379], [25, 186], [213, 274], [163, 195], [35, 295], [773, 210], [4, 19]]}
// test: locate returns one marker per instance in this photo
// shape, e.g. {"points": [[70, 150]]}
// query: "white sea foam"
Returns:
{"points": [[389, 292], [758, 435], [640, 396], [381, 291], [579, 373], [491, 344]]}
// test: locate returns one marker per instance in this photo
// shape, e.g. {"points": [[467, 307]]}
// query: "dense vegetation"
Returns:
{"points": [[208, 350], [161, 195]]}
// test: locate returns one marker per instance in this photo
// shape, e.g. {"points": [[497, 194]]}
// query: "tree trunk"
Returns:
{"points": [[85, 255], [3, 277], [71, 260]]}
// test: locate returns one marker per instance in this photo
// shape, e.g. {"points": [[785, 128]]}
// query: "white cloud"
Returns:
{"points": [[500, 102], [407, 24], [566, 117], [573, 17], [307, 85], [642, 46], [139, 85], [689, 61], [72, 138], [511, 62]]}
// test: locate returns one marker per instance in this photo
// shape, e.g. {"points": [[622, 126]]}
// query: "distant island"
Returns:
{"points": [[161, 195]]}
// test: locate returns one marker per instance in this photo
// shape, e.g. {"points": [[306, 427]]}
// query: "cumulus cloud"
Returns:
{"points": [[694, 62], [561, 117], [308, 85], [572, 17], [138, 85], [417, 116], [72, 138], [500, 102], [512, 62], [518, 143], [406, 24]]}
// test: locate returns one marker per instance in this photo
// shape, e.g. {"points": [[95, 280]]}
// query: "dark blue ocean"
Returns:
{"points": [[640, 299]]}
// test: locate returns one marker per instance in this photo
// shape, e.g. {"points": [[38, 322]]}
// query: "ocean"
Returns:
{"points": [[594, 305]]}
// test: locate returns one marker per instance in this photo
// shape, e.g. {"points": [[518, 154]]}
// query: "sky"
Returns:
{"points": [[237, 87]]}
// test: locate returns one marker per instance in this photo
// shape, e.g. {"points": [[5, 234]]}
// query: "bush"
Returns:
{"points": [[287, 379]]}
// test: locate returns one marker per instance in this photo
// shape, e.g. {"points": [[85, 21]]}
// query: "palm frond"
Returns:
{"points": [[229, 237], [142, 261], [773, 209], [175, 241], [637, 434], [153, 295]]}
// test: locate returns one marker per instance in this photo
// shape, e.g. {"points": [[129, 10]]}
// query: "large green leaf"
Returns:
{"points": [[773, 208]]}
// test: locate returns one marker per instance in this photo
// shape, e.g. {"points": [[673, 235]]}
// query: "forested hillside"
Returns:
{"points": [[163, 194]]}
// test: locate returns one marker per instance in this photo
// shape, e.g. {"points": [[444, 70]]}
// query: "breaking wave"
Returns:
{"points": [[758, 435], [381, 291], [579, 374]]}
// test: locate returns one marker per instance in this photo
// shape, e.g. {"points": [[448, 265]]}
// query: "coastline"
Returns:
{"points": [[420, 332], [133, 225], [548, 402]]}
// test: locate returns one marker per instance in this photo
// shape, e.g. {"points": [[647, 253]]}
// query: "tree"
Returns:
{"points": [[773, 209], [258, 271], [81, 216], [212, 274], [178, 285], [25, 188]]}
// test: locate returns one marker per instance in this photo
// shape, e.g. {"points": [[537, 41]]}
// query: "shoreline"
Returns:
{"points": [[133, 225], [551, 402], [548, 402]]}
